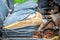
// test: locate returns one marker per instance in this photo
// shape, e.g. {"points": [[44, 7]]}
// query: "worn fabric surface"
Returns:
{"points": [[3, 9], [21, 13], [26, 5], [10, 4]]}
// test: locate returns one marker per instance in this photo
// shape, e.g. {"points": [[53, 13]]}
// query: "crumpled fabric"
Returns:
{"points": [[23, 10], [10, 4], [3, 9], [17, 16], [26, 31], [26, 5]]}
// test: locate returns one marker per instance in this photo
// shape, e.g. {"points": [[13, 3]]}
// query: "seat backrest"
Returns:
{"points": [[3, 9]]}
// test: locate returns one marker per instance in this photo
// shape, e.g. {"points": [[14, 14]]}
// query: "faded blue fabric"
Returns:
{"points": [[1, 16], [26, 31], [25, 5], [3, 9], [22, 13], [17, 16], [10, 4]]}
